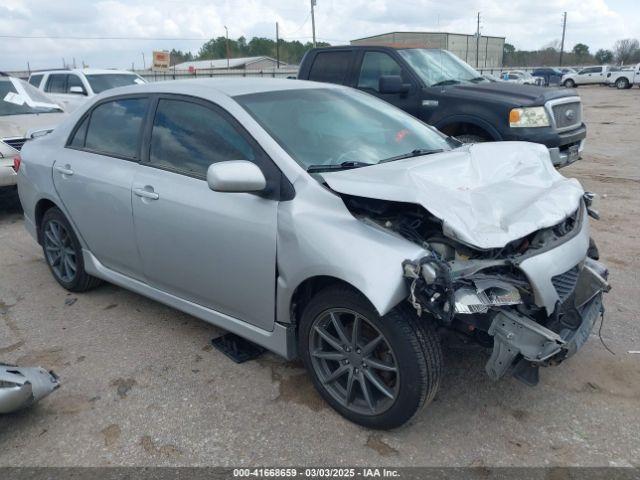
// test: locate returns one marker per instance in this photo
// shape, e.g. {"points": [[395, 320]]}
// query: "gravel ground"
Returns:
{"points": [[142, 386]]}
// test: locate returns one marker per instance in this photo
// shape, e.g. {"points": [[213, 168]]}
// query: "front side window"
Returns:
{"points": [[323, 126], [74, 81], [101, 82], [331, 67], [114, 127], [35, 80], [188, 137], [439, 67], [57, 83], [374, 65]]}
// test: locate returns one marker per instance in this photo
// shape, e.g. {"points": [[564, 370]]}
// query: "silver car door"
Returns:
{"points": [[93, 175], [216, 249]]}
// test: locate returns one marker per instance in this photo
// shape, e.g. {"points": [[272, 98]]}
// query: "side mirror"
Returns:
{"points": [[392, 84], [77, 90], [235, 176]]}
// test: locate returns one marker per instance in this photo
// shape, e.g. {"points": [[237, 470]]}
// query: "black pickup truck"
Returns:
{"points": [[442, 90]]}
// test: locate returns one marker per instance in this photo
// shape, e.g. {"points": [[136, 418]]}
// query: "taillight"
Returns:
{"points": [[16, 163]]}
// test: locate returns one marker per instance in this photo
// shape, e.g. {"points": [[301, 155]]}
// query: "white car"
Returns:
{"points": [[586, 76], [23, 111], [73, 87], [624, 78], [521, 77]]}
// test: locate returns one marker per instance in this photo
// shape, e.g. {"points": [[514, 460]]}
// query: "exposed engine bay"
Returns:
{"points": [[490, 295]]}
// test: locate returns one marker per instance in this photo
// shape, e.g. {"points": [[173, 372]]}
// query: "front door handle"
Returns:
{"points": [[146, 193], [66, 170]]}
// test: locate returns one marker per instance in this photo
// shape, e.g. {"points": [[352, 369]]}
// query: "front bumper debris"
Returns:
{"points": [[21, 387]]}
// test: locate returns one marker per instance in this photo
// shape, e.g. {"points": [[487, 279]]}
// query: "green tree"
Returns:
{"points": [[580, 50], [604, 56]]}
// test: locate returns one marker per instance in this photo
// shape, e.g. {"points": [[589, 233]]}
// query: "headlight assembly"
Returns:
{"points": [[528, 117]]}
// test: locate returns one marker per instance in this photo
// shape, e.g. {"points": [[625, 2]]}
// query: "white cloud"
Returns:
{"points": [[524, 23]]}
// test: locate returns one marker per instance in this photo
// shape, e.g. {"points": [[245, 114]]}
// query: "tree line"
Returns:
{"points": [[624, 52], [290, 51]]}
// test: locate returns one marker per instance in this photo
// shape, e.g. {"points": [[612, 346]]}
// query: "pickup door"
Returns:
{"points": [[590, 75], [58, 87]]}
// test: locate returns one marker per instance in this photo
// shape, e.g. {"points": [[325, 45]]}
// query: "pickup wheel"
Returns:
{"points": [[622, 83], [63, 253], [569, 83], [375, 371]]}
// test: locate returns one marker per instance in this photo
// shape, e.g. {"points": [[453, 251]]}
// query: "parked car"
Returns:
{"points": [[440, 89], [491, 77], [624, 78], [521, 77], [586, 76], [320, 222], [550, 76], [73, 87], [23, 109]]}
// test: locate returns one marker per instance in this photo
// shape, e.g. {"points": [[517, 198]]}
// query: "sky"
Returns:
{"points": [[147, 24]]}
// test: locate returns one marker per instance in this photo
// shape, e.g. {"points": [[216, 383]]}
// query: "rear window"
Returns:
{"points": [[331, 67], [114, 127]]}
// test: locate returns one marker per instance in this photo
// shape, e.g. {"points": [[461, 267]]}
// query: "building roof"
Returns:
{"points": [[222, 63], [424, 33]]}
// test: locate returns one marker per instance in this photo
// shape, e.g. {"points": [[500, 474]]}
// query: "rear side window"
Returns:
{"points": [[57, 83], [374, 65], [187, 137], [331, 67], [35, 80], [114, 127]]}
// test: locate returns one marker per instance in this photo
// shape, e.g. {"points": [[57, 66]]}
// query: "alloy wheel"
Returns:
{"points": [[354, 361], [60, 251]]}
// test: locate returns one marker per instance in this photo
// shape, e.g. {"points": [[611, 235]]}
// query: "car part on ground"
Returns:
{"points": [[334, 228], [21, 387]]}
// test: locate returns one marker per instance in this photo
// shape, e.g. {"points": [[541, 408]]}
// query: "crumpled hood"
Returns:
{"points": [[486, 194]]}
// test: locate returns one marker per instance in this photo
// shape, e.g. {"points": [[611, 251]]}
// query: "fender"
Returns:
{"points": [[470, 119]]}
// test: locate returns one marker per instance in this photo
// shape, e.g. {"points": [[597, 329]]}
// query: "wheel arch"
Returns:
{"points": [[461, 124], [41, 208]]}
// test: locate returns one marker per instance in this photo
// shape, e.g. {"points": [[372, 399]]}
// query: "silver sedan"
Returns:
{"points": [[321, 222]]}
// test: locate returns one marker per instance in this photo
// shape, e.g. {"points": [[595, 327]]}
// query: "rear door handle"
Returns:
{"points": [[145, 193], [66, 170]]}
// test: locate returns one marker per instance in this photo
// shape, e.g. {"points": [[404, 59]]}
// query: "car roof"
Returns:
{"points": [[86, 71], [231, 87]]}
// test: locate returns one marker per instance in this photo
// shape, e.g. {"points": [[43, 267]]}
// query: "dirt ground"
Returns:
{"points": [[142, 386]]}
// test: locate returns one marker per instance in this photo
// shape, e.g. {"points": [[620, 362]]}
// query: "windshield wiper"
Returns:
{"points": [[450, 81], [414, 153], [338, 166]]}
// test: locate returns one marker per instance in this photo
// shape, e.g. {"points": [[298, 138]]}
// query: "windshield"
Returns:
{"points": [[438, 67], [17, 97], [334, 126], [101, 82]]}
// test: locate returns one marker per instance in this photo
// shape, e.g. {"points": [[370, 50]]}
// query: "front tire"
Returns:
{"points": [[375, 371], [63, 253], [569, 83]]}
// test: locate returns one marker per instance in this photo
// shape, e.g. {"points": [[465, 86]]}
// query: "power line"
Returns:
{"points": [[66, 37]]}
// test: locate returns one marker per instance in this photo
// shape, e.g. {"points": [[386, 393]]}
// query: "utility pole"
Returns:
{"points": [[144, 63], [227, 44], [313, 22], [478, 43], [277, 47], [564, 28]]}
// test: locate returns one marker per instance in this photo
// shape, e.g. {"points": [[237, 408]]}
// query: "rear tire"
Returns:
{"points": [[569, 83], [408, 344], [63, 253], [622, 83]]}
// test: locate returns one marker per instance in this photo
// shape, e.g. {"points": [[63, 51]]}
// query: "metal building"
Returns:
{"points": [[489, 51], [245, 63]]}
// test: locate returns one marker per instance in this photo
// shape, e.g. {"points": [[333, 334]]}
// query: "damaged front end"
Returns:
{"points": [[21, 387], [534, 301]]}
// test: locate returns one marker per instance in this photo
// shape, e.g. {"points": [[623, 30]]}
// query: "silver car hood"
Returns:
{"points": [[19, 125], [486, 194]]}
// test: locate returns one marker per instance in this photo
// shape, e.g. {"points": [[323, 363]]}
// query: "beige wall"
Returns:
{"points": [[464, 46]]}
